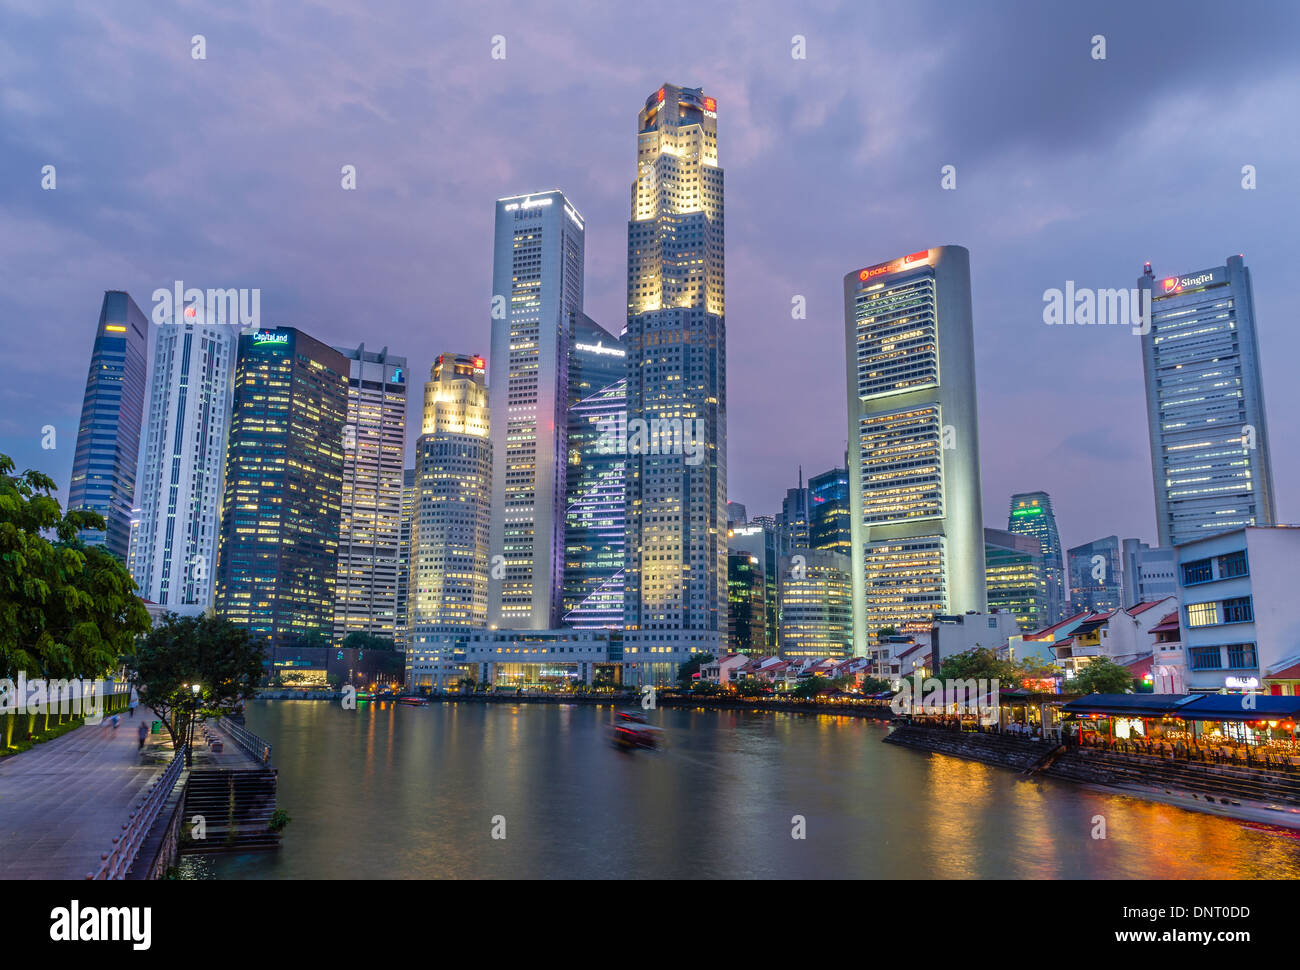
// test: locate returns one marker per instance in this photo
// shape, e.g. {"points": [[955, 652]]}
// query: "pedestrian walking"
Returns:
{"points": [[142, 732], [131, 705], [116, 718]]}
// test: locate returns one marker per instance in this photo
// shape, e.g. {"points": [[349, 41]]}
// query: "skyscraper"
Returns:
{"points": [[404, 559], [675, 590], [190, 399], [914, 478], [594, 513], [536, 286], [793, 520], [451, 519], [1210, 458], [829, 514], [1096, 576], [746, 603], [1031, 514], [758, 540], [1017, 578], [108, 436], [277, 556], [370, 527], [816, 605]]}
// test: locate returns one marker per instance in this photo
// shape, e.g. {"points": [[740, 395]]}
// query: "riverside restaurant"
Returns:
{"points": [[1252, 729]]}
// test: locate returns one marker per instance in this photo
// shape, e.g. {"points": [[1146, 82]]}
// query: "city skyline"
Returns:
{"points": [[1038, 435]]}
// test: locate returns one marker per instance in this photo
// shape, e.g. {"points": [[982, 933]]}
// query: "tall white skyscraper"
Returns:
{"points": [[370, 521], [675, 586], [188, 421], [1210, 457], [917, 527], [450, 520], [536, 284]]}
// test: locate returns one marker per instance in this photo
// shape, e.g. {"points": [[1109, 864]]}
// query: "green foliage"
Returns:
{"points": [[687, 671], [220, 657], [812, 686], [313, 639], [66, 610], [749, 687], [359, 640], [1101, 676], [874, 685], [278, 820]]}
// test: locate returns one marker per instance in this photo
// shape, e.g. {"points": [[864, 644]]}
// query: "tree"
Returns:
{"points": [[1101, 676], [66, 610], [979, 663], [687, 671], [874, 685], [182, 651], [360, 640], [813, 686]]}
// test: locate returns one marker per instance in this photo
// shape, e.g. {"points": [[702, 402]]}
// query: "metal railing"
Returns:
{"points": [[258, 748], [117, 862]]}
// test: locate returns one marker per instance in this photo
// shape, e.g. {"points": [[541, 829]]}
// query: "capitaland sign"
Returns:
{"points": [[1176, 284], [268, 337], [894, 265]]}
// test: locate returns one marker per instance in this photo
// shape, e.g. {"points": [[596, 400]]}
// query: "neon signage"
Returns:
{"points": [[1177, 284], [893, 266], [266, 337]]}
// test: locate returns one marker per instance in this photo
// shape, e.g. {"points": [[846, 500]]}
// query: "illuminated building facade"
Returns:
{"points": [[914, 480], [404, 559], [451, 516], [1016, 575], [594, 503], [108, 436], [1031, 514], [537, 286], [277, 557], [370, 529], [816, 605], [758, 540], [829, 514], [747, 608], [1096, 575], [793, 520], [675, 585], [1210, 458], [183, 476]]}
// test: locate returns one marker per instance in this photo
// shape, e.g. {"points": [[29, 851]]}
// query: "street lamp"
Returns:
{"points": [[194, 707]]}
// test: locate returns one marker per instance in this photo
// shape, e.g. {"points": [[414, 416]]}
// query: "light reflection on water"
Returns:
{"points": [[390, 791]]}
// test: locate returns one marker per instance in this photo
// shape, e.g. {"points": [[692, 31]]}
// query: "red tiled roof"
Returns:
{"points": [[1054, 627], [1144, 606], [1167, 625]]}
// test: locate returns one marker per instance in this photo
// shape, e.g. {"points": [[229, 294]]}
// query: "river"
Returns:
{"points": [[389, 791]]}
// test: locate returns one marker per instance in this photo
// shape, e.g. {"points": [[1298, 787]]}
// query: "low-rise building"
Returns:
{"points": [[1239, 620]]}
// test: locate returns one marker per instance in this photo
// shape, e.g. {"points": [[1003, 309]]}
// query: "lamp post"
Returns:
{"points": [[194, 707]]}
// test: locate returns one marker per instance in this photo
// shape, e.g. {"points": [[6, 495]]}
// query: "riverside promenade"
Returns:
{"points": [[63, 801]]}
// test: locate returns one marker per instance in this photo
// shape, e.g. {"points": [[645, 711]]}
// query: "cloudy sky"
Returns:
{"points": [[225, 172]]}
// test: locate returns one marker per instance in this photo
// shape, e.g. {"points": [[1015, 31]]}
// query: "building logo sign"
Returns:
{"points": [[1176, 284], [894, 265], [266, 337]]}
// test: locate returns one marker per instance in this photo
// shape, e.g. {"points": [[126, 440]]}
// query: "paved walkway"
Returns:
{"points": [[63, 801]]}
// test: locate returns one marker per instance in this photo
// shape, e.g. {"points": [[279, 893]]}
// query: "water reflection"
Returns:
{"points": [[389, 791]]}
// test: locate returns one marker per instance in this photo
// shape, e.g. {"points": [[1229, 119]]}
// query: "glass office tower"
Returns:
{"points": [[594, 512], [277, 559], [828, 512], [536, 286], [108, 435], [1016, 575], [914, 474], [1210, 458], [183, 477], [370, 528], [1031, 514], [675, 586]]}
